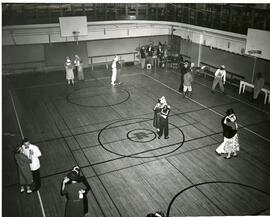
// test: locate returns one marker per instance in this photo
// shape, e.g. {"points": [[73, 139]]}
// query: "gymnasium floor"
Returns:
{"points": [[108, 132]]}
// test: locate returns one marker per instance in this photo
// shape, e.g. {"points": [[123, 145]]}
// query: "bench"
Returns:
{"points": [[243, 85]]}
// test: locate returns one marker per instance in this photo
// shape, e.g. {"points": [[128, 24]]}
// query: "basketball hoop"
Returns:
{"points": [[76, 36]]}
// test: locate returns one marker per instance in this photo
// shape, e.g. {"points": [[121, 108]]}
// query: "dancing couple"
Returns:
{"points": [[161, 114]]}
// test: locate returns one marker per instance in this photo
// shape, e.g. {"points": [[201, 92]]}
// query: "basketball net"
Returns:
{"points": [[76, 36]]}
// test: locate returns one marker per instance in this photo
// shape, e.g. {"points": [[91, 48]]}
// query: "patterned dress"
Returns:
{"points": [[231, 143]]}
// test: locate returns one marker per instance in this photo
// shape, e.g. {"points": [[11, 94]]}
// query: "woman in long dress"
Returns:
{"points": [[74, 193], [69, 71], [24, 171], [157, 110], [80, 71], [230, 145]]}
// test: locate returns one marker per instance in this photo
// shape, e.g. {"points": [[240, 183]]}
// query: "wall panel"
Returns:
{"points": [[124, 45], [22, 54], [55, 54]]}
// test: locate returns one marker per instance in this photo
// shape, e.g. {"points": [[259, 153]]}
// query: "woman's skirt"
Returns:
{"points": [[231, 144]]}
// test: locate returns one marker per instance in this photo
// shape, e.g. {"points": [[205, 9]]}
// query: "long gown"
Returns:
{"points": [[74, 205], [24, 171], [156, 118]]}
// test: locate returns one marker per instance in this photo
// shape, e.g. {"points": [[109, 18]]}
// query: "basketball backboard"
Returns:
{"points": [[69, 25], [258, 43]]}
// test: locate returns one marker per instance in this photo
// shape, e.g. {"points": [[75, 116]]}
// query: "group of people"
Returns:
{"points": [[73, 69], [154, 55], [161, 114], [28, 165], [75, 187], [220, 78]]}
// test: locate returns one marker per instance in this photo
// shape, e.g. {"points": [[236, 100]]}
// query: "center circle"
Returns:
{"points": [[98, 97], [141, 135]]}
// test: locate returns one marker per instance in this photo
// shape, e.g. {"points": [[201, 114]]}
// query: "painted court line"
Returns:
{"points": [[208, 108], [252, 106], [21, 132], [63, 83]]}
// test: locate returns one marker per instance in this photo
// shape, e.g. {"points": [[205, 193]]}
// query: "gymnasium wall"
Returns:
{"points": [[118, 46], [55, 54], [38, 56], [238, 64]]}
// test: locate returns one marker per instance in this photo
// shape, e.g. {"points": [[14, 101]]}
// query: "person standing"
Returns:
{"points": [[143, 56], [187, 89], [183, 71], [80, 71], [156, 119], [24, 171], [74, 192], [230, 145], [33, 153], [82, 179], [77, 61], [114, 70], [220, 78], [163, 119], [150, 51], [69, 71], [164, 123], [258, 85], [160, 54]]}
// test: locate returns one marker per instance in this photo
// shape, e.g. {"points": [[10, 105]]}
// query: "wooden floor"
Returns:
{"points": [[108, 132]]}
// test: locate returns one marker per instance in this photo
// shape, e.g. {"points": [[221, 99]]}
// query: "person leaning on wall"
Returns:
{"points": [[258, 85]]}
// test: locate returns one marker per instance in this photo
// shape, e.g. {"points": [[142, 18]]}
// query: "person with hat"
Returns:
{"points": [[74, 191], [69, 71], [33, 153], [230, 145], [83, 180], [24, 171], [220, 78]]}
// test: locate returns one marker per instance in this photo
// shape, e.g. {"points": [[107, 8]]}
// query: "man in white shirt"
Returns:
{"points": [[33, 153], [220, 78], [115, 68]]}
